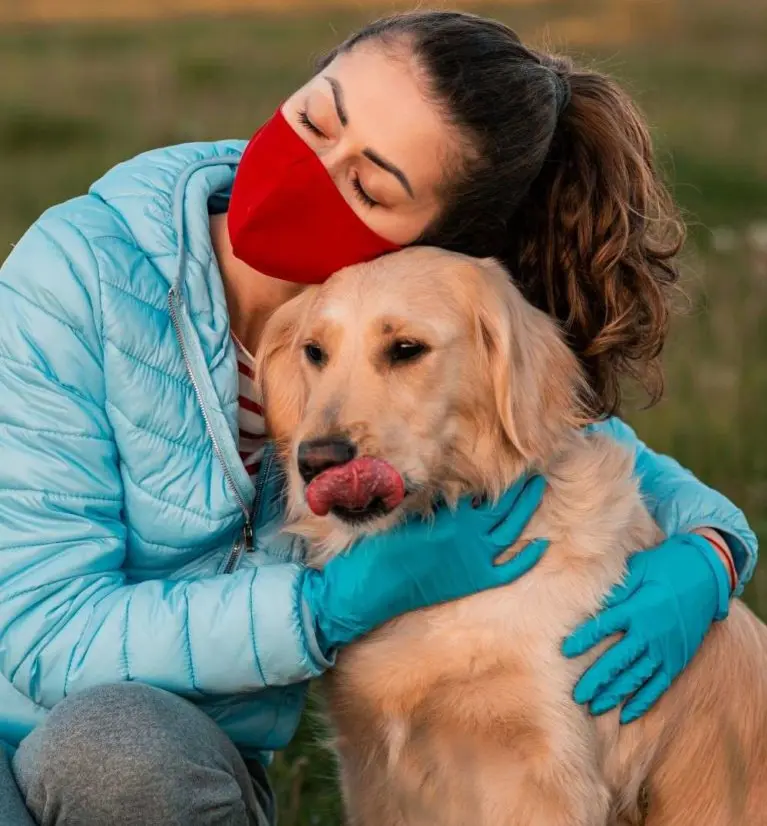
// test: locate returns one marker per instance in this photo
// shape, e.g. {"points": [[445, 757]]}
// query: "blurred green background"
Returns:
{"points": [[77, 96]]}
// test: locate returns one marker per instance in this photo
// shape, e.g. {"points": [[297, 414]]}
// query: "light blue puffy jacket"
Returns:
{"points": [[123, 500]]}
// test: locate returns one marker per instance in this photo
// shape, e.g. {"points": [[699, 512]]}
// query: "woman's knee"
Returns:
{"points": [[129, 753]]}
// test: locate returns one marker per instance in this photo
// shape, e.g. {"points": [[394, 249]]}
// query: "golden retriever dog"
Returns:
{"points": [[433, 367]]}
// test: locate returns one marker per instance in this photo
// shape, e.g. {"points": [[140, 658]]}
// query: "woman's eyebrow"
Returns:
{"points": [[343, 117], [389, 167], [338, 98]]}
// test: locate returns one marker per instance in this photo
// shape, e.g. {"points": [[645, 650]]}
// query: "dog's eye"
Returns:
{"points": [[315, 354], [406, 350]]}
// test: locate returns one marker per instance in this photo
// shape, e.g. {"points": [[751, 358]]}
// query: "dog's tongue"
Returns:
{"points": [[355, 485]]}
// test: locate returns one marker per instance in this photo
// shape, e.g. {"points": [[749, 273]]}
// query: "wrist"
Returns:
{"points": [[721, 577], [717, 542], [312, 600]]}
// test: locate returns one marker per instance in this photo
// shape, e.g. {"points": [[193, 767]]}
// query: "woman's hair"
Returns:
{"points": [[557, 181]]}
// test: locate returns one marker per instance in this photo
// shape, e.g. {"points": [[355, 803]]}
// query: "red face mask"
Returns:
{"points": [[287, 218]]}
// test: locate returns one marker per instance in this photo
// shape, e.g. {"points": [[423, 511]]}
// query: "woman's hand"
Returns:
{"points": [[669, 599], [422, 563]]}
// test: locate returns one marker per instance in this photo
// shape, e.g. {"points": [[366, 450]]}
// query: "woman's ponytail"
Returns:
{"points": [[595, 237]]}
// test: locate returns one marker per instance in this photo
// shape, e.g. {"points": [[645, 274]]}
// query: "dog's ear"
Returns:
{"points": [[538, 387], [278, 367]]}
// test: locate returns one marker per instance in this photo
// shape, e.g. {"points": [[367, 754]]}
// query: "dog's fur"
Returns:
{"points": [[461, 715]]}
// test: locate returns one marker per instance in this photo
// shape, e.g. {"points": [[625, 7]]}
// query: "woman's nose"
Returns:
{"points": [[336, 159]]}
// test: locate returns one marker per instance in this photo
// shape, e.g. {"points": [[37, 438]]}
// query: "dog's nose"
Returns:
{"points": [[317, 455]]}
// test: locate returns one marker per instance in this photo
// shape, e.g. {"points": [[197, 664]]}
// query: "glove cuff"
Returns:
{"points": [[314, 615], [720, 574]]}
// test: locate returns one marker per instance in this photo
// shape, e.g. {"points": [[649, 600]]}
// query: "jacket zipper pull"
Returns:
{"points": [[247, 537]]}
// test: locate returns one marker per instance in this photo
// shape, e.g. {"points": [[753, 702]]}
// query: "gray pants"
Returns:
{"points": [[13, 812], [131, 755]]}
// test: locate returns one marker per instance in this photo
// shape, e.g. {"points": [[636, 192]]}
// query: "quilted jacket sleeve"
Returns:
{"points": [[680, 503], [68, 619]]}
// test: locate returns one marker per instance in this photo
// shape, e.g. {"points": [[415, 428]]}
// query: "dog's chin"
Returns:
{"points": [[376, 516], [372, 519], [376, 510]]}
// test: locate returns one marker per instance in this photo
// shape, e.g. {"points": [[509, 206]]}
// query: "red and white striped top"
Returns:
{"points": [[251, 415]]}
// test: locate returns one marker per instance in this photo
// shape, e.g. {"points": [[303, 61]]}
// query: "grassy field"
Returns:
{"points": [[77, 97]]}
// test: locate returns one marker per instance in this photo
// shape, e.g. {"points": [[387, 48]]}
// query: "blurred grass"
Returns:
{"points": [[76, 98]]}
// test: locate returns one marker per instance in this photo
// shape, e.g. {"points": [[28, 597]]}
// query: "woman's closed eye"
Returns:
{"points": [[361, 194], [305, 121]]}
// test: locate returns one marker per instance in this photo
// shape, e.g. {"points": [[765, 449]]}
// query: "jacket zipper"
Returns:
{"points": [[245, 542], [243, 545]]}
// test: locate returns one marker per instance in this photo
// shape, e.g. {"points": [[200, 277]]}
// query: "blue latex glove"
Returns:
{"points": [[665, 606], [422, 563]]}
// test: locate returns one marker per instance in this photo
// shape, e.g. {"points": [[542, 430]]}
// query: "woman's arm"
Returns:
{"points": [[67, 617], [680, 503]]}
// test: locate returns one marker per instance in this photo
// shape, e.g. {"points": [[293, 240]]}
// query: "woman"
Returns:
{"points": [[127, 517]]}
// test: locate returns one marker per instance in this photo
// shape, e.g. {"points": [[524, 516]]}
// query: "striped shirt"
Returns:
{"points": [[251, 416]]}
